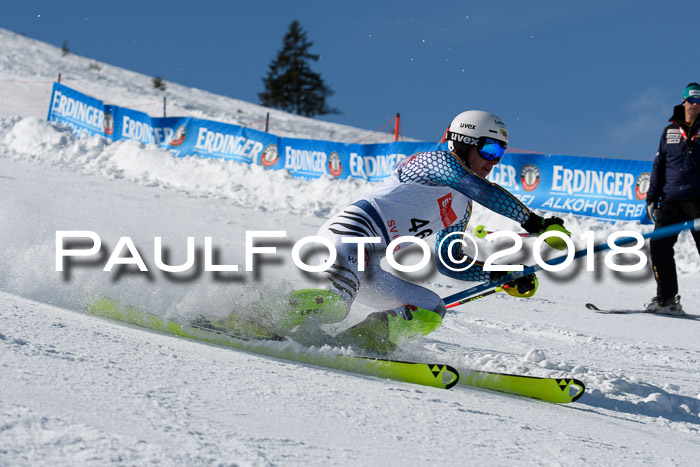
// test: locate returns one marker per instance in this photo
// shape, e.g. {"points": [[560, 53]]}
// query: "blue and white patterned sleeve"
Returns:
{"points": [[440, 168], [443, 168]]}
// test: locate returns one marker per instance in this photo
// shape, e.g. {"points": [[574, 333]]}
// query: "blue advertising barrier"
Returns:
{"points": [[610, 189], [85, 115]]}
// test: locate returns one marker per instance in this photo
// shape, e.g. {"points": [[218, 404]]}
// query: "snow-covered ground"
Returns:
{"points": [[77, 390]]}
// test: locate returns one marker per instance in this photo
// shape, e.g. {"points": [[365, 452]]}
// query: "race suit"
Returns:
{"points": [[427, 193]]}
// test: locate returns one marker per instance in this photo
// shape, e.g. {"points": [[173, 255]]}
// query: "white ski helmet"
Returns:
{"points": [[469, 126]]}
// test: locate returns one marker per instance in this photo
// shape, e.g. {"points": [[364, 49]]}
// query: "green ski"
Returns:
{"points": [[548, 389], [427, 374], [436, 375]]}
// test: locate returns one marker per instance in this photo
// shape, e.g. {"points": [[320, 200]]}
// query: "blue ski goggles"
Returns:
{"points": [[491, 149], [693, 100]]}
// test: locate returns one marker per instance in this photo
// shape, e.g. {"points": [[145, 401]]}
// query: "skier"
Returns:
{"points": [[674, 195], [428, 193]]}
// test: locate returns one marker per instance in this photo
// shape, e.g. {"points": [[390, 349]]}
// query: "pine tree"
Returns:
{"points": [[290, 83]]}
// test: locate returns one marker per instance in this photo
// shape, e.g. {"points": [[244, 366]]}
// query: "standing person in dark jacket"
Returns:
{"points": [[674, 195]]}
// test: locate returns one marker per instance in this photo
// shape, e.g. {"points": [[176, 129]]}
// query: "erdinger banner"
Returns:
{"points": [[84, 114], [611, 189], [168, 133], [222, 140], [182, 136], [372, 162]]}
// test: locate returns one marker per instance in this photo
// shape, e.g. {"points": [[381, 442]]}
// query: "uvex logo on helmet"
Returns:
{"points": [[462, 138]]}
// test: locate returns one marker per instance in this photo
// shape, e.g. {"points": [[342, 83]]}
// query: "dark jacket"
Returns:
{"points": [[676, 172]]}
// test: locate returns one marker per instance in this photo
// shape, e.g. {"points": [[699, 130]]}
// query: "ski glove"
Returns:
{"points": [[538, 225], [652, 210], [524, 287]]}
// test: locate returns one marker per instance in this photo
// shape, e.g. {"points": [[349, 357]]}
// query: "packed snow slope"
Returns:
{"points": [[77, 390]]}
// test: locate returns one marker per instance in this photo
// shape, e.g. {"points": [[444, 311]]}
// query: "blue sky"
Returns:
{"points": [[597, 78]]}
